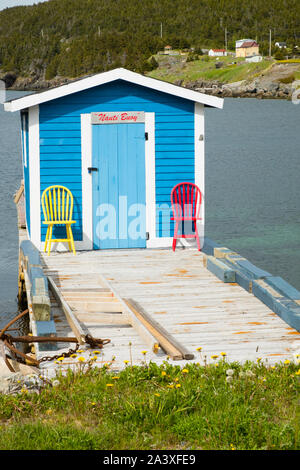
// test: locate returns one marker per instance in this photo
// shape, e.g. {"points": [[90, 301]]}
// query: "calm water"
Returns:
{"points": [[252, 188], [252, 182]]}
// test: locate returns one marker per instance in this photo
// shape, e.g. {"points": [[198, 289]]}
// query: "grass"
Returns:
{"points": [[212, 406], [204, 69], [288, 61]]}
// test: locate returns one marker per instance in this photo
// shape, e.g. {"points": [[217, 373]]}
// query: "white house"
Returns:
{"points": [[281, 45], [217, 52]]}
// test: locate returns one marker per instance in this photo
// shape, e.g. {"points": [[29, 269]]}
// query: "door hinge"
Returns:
{"points": [[146, 135], [147, 235]]}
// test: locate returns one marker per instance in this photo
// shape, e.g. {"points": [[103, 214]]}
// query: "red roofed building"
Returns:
{"points": [[217, 52], [247, 49]]}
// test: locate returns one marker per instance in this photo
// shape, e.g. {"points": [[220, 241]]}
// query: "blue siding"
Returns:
{"points": [[60, 140], [25, 156]]}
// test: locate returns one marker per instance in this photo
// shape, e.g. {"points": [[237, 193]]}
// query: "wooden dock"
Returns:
{"points": [[178, 292]]}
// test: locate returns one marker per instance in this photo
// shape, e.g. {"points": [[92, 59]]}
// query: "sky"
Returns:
{"points": [[14, 3]]}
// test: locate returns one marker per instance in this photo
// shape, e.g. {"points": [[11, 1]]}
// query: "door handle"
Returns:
{"points": [[92, 168]]}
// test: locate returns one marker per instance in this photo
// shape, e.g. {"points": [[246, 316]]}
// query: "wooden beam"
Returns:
{"points": [[167, 342]]}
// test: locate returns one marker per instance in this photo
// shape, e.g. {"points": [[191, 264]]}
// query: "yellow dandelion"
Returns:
{"points": [[258, 359], [163, 373], [73, 355], [178, 385], [144, 353], [223, 354], [287, 361], [115, 378], [199, 349], [171, 386], [157, 394], [81, 359], [109, 385], [96, 352], [93, 403], [80, 350], [214, 356], [60, 358], [185, 371], [126, 362], [298, 372], [176, 380]]}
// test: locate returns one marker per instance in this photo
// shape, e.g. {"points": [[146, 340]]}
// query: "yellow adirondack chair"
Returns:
{"points": [[57, 204]]}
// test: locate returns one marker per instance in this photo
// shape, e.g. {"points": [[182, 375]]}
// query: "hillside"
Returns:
{"points": [[229, 76], [71, 38]]}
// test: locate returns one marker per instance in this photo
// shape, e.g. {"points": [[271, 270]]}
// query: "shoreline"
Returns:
{"points": [[258, 88]]}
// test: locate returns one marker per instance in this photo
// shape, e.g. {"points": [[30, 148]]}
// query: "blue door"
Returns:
{"points": [[119, 196]]}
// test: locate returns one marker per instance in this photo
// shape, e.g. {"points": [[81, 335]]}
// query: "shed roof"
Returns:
{"points": [[107, 77], [249, 44]]}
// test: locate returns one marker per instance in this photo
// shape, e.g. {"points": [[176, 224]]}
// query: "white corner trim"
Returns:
{"points": [[150, 177], [200, 163], [34, 175], [109, 76], [87, 199]]}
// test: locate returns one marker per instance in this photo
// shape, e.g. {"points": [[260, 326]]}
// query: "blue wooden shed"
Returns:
{"points": [[120, 141]]}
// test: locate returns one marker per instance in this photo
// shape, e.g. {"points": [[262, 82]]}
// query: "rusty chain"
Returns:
{"points": [[8, 340]]}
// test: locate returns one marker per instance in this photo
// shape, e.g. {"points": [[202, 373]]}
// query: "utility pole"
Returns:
{"points": [[270, 44]]}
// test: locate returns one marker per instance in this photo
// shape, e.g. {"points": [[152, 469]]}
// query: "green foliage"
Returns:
{"points": [[279, 54], [78, 37], [217, 405], [192, 56], [289, 79]]}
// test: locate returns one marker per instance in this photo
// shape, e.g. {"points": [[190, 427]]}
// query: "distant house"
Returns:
{"points": [[167, 49], [241, 41], [281, 45], [247, 49], [217, 52]]}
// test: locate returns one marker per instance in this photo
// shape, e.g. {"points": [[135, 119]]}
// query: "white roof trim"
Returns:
{"points": [[106, 77]]}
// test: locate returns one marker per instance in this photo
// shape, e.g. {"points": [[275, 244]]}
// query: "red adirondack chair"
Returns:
{"points": [[186, 201]]}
